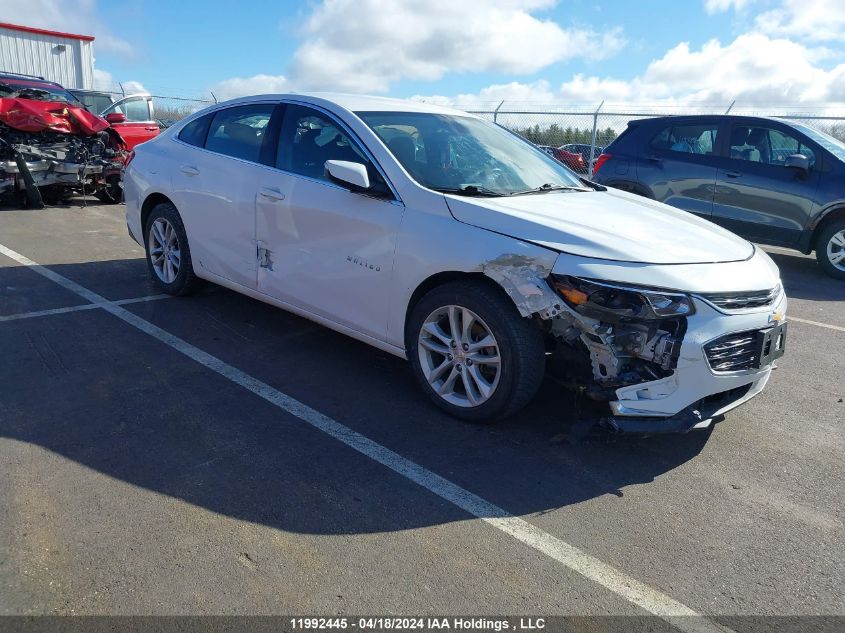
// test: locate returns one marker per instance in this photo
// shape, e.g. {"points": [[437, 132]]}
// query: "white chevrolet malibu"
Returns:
{"points": [[447, 240]]}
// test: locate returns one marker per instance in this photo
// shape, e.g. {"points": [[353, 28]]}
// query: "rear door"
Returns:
{"points": [[679, 164], [757, 196], [222, 158], [140, 124]]}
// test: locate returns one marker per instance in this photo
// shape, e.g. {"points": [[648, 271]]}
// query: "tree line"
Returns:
{"points": [[555, 135]]}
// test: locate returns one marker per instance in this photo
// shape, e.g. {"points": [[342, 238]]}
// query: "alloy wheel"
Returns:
{"points": [[459, 356], [165, 255], [836, 250]]}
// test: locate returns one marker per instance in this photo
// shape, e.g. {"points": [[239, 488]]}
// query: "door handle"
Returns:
{"points": [[272, 194], [152, 128], [190, 171], [733, 174]]}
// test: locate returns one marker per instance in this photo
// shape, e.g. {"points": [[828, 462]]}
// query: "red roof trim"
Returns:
{"points": [[30, 29]]}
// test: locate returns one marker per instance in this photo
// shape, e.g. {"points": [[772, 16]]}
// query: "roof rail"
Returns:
{"points": [[8, 72]]}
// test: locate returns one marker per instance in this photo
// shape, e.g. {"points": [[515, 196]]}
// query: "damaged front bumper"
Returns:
{"points": [[696, 393], [677, 374]]}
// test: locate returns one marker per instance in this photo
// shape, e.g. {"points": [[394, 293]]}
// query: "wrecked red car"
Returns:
{"points": [[51, 147]]}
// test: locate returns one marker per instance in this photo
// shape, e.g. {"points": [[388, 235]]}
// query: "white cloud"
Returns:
{"points": [[103, 80], [718, 6], [754, 69], [367, 45], [258, 84], [813, 20], [71, 16]]}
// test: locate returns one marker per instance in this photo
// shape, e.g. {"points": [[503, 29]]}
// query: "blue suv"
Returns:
{"points": [[768, 180]]}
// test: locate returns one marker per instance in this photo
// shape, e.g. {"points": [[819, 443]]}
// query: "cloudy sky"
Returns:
{"points": [[758, 52]]}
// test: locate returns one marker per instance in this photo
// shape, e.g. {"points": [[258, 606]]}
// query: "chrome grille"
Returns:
{"points": [[733, 352], [746, 300]]}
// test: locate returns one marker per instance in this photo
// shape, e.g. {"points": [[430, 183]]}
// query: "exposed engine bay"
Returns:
{"points": [[611, 337], [50, 150]]}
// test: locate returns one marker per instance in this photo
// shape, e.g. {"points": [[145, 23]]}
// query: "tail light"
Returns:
{"points": [[600, 161]]}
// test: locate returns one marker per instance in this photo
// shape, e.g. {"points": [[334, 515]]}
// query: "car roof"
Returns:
{"points": [[27, 79], [357, 103], [710, 117]]}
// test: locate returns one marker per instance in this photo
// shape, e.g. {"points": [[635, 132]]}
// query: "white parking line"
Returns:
{"points": [[825, 325], [636, 592], [86, 306]]}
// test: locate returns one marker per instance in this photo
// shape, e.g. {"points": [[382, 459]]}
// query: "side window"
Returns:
{"points": [[687, 139], [239, 131], [194, 132], [309, 138], [769, 146], [137, 110], [784, 146]]}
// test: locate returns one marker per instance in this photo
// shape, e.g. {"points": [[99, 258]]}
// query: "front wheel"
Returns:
{"points": [[830, 249], [472, 352], [168, 254]]}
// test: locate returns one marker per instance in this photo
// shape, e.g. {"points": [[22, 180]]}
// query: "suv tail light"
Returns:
{"points": [[600, 161]]}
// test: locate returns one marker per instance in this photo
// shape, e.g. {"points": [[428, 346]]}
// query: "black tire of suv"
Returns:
{"points": [[521, 348], [821, 249], [186, 282]]}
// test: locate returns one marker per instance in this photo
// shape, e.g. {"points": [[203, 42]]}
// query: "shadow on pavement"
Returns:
{"points": [[804, 279], [101, 393]]}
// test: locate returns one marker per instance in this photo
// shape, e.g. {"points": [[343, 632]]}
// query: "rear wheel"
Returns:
{"points": [[830, 249], [472, 352], [168, 254]]}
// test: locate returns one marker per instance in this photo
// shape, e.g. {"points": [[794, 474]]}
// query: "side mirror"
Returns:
{"points": [[799, 162], [348, 173], [115, 117]]}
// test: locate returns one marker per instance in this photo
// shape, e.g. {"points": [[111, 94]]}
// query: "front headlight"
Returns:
{"points": [[606, 301]]}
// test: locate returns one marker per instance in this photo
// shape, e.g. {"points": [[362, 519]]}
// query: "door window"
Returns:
{"points": [[239, 131], [769, 146], [309, 138], [687, 139], [135, 110], [194, 133]]}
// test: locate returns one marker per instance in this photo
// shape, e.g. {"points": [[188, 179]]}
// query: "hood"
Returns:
{"points": [[611, 224], [30, 115]]}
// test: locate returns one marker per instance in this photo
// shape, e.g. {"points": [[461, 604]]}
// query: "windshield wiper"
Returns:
{"points": [[469, 190], [546, 188]]}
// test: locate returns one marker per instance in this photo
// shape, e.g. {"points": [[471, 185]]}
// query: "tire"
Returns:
{"points": [[831, 243], [518, 345], [177, 277], [110, 193]]}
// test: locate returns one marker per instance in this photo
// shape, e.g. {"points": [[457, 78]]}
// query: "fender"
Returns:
{"points": [[805, 244]]}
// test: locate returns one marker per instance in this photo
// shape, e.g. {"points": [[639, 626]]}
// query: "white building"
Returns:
{"points": [[65, 58]]}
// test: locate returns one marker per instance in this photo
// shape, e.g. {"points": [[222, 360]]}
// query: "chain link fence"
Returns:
{"points": [[167, 109], [588, 129]]}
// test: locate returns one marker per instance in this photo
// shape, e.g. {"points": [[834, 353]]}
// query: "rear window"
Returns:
{"points": [[687, 139], [194, 133]]}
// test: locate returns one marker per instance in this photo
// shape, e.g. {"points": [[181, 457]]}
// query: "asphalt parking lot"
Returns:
{"points": [[215, 455]]}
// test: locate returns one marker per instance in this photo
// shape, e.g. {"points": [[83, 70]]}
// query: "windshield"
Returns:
{"points": [[36, 90], [465, 154], [834, 146]]}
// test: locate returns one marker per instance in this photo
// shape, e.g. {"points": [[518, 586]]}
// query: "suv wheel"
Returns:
{"points": [[830, 249], [472, 352]]}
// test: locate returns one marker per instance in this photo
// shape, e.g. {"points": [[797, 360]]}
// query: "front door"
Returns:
{"points": [[328, 250], [757, 196], [140, 126]]}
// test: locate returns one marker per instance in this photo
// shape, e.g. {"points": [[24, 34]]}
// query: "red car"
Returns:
{"points": [[51, 146], [133, 115], [574, 161]]}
